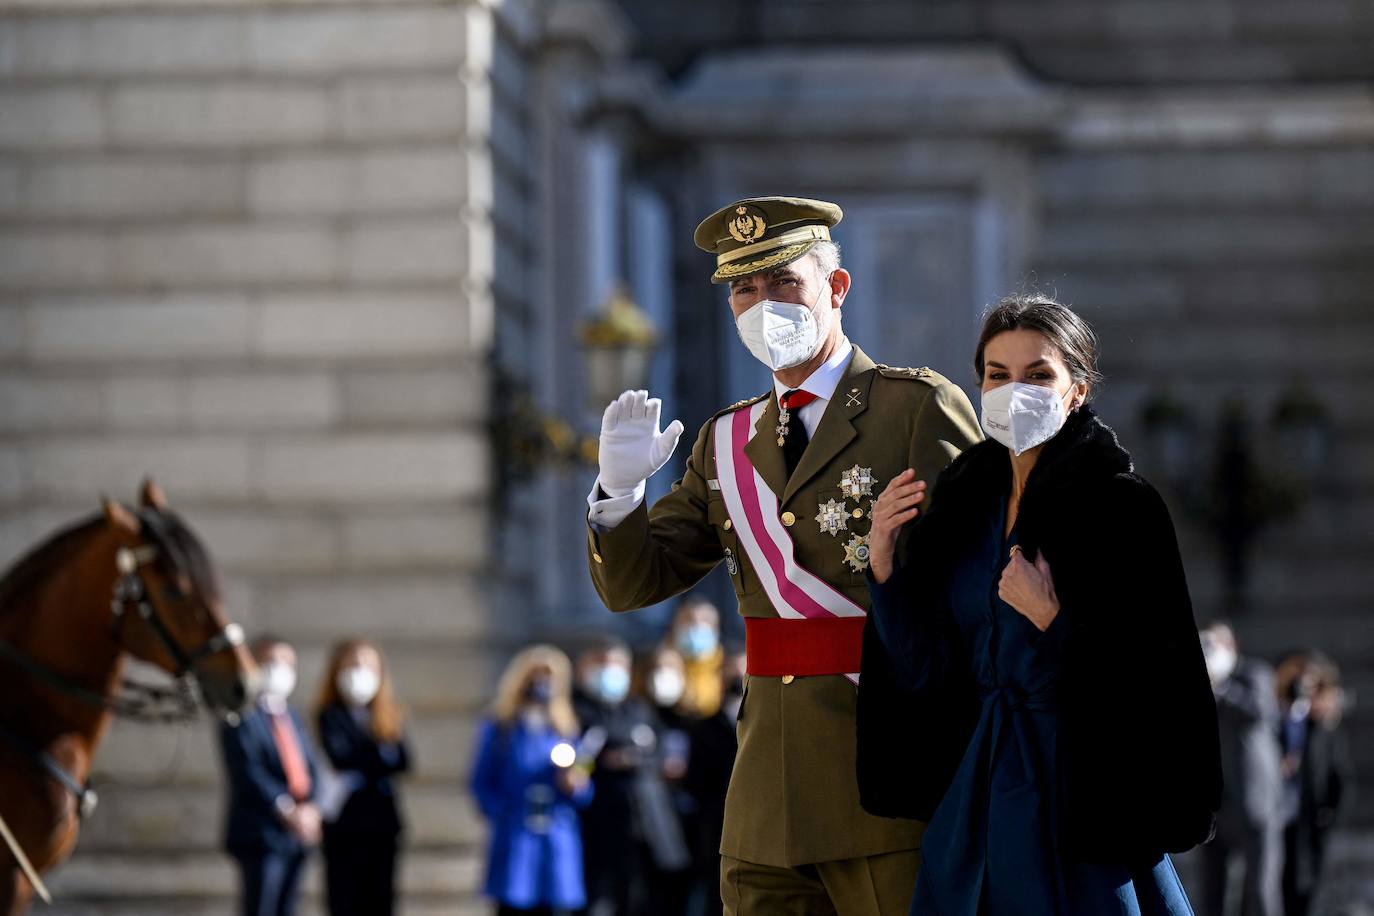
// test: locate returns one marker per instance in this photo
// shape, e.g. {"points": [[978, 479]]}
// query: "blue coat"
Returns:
{"points": [[536, 843], [256, 779]]}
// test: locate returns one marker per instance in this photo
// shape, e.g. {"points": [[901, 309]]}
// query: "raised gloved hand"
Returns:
{"points": [[632, 448]]}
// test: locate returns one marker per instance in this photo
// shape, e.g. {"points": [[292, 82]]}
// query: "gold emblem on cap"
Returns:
{"points": [[747, 225]]}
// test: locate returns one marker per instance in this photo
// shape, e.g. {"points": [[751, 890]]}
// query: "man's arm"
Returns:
{"points": [[945, 425], [246, 770], [656, 553]]}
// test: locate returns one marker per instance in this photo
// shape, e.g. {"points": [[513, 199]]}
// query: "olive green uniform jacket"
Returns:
{"points": [[793, 797]]}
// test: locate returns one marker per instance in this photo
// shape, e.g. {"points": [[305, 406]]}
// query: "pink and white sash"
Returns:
{"points": [[796, 593]]}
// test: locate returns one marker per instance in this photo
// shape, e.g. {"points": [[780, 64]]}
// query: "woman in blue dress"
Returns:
{"points": [[1035, 631], [529, 790]]}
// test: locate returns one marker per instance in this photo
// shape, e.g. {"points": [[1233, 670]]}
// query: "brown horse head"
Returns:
{"points": [[169, 608]]}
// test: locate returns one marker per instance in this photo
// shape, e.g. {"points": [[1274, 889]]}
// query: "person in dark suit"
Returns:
{"points": [[361, 730], [273, 821], [712, 758], [618, 731], [1318, 768], [1250, 823]]}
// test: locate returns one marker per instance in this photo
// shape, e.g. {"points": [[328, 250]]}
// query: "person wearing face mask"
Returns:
{"points": [[1063, 736], [529, 783], [1319, 770], [779, 489], [695, 634], [665, 811], [1250, 823], [272, 820], [713, 747], [618, 730], [362, 732]]}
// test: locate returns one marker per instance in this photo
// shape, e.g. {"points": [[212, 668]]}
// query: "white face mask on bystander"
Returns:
{"points": [[358, 685], [278, 680]]}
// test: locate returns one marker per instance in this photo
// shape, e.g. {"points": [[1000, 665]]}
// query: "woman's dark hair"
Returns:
{"points": [[1059, 324]]}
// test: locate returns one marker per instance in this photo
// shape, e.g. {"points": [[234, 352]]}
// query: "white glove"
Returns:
{"points": [[632, 448]]}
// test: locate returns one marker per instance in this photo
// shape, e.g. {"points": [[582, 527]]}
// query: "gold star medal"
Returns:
{"points": [[832, 518], [856, 553]]}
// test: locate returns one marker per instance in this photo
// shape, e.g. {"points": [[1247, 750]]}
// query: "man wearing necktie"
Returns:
{"points": [[780, 488], [272, 819]]}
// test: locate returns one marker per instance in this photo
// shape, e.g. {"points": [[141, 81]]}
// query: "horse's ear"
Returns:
{"points": [[118, 516], [151, 496]]}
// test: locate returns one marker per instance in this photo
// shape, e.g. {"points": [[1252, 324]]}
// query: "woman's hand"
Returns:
{"points": [[1029, 588], [895, 507], [571, 781]]}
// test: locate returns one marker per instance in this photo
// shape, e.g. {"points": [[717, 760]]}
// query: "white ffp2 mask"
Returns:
{"points": [[358, 685], [781, 334], [1022, 416]]}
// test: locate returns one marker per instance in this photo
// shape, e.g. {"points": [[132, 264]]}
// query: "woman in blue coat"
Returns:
{"points": [[529, 790], [1033, 636]]}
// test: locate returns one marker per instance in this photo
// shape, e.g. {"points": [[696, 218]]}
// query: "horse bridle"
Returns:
{"points": [[131, 590], [135, 698]]}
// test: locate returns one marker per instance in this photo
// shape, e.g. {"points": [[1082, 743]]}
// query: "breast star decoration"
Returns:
{"points": [[833, 517], [856, 552], [857, 482]]}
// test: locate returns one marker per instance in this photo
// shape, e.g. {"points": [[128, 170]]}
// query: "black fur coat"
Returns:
{"points": [[1139, 763]]}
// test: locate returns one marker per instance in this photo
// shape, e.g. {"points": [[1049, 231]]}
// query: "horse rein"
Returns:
{"points": [[129, 589]]}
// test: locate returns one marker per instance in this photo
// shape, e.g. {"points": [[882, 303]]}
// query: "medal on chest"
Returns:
{"points": [[784, 417], [834, 516]]}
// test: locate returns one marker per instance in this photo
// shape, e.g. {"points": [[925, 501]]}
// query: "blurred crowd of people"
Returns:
{"points": [[283, 803], [1288, 772], [604, 780]]}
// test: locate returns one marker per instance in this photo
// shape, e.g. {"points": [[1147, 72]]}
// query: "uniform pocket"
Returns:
{"points": [[719, 518], [833, 510]]}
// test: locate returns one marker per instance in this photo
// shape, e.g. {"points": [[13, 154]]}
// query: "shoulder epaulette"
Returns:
{"points": [[739, 404], [924, 373]]}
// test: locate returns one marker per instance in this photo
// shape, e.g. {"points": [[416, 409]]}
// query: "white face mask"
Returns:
{"points": [[358, 685], [1022, 416], [667, 686], [278, 680], [783, 334], [1220, 660]]}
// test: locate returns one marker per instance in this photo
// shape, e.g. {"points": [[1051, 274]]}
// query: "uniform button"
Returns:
{"points": [[788, 678], [728, 525], [789, 519], [596, 557], [858, 513]]}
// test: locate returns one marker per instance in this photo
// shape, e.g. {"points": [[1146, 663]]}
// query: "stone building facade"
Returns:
{"points": [[294, 258]]}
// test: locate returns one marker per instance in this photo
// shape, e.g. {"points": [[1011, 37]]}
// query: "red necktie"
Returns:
{"points": [[292, 761], [796, 399]]}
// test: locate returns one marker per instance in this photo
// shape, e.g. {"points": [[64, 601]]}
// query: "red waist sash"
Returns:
{"points": [[777, 647]]}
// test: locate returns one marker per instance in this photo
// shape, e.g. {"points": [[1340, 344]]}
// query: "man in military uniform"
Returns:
{"points": [[781, 488]]}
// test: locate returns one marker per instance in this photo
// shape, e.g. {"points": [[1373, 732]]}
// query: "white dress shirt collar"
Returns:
{"points": [[826, 378]]}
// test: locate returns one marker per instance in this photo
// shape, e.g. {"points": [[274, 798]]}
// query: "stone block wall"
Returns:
{"points": [[248, 248]]}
